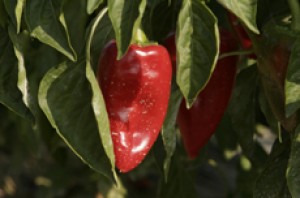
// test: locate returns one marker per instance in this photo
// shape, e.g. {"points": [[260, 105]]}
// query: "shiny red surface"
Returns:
{"points": [[136, 90], [198, 123]]}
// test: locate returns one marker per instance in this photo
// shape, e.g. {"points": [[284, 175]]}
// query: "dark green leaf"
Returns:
{"points": [[225, 134], [293, 174], [272, 181], [154, 3], [31, 55], [103, 34], [92, 5], [180, 183], [242, 107], [65, 97], [292, 83], [245, 10], [20, 43], [249, 172], [123, 14], [98, 103], [197, 41], [47, 23], [267, 111], [15, 10], [160, 18], [168, 130], [159, 155], [10, 95], [267, 9], [3, 14], [75, 23]]}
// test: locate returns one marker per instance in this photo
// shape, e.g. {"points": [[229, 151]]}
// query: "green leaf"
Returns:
{"points": [[268, 9], [245, 10], [168, 130], [74, 19], [123, 14], [197, 40], [267, 111], [292, 83], [293, 174], [34, 60], [242, 107], [20, 43], [98, 103], [3, 14], [160, 19], [15, 10], [225, 134], [65, 97], [10, 95], [92, 5], [103, 34], [46, 23], [181, 185], [272, 181]]}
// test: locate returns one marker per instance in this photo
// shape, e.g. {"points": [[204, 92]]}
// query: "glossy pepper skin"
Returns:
{"points": [[136, 91], [241, 34], [198, 123]]}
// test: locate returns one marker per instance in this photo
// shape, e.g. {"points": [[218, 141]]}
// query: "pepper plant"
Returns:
{"points": [[150, 98]]}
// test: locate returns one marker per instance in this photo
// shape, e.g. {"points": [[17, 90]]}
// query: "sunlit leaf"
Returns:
{"points": [[245, 10], [10, 95], [15, 10], [92, 5], [123, 14], [42, 18], [197, 40], [65, 97], [98, 103]]}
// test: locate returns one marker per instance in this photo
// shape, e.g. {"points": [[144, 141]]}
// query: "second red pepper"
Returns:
{"points": [[198, 123]]}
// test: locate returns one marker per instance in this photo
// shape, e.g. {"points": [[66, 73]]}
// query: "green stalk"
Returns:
{"points": [[236, 53], [138, 35], [295, 9]]}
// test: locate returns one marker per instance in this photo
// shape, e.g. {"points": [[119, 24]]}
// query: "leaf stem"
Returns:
{"points": [[235, 53], [295, 9]]}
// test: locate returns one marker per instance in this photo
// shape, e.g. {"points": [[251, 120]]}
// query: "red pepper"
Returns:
{"points": [[241, 34], [198, 123], [136, 91]]}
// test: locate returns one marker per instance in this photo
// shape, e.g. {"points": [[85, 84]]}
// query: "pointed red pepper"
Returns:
{"points": [[198, 123], [136, 90]]}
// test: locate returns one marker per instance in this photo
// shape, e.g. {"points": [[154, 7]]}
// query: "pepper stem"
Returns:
{"points": [[138, 35], [295, 9]]}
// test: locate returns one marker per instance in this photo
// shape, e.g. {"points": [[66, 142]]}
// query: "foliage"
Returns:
{"points": [[54, 129]]}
